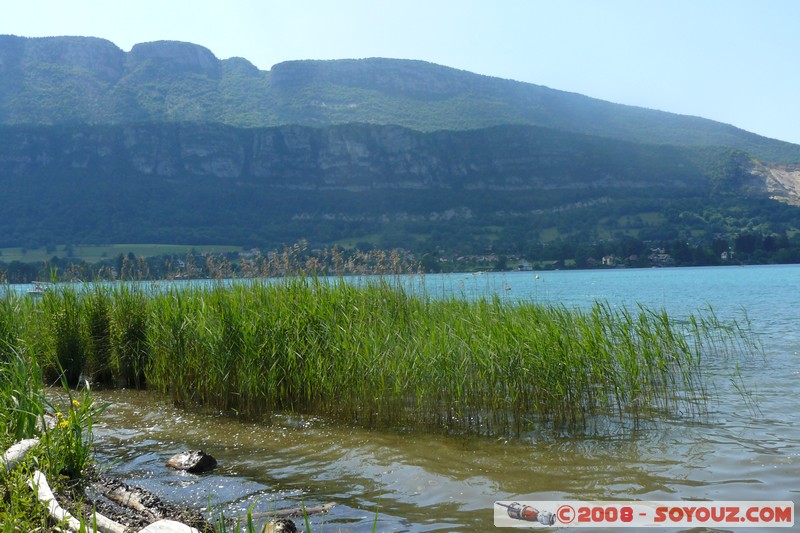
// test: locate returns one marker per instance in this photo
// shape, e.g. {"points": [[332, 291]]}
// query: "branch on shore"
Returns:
{"points": [[38, 482], [17, 453], [296, 512], [104, 525]]}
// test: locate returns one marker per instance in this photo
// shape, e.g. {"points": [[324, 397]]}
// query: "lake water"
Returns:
{"points": [[747, 447]]}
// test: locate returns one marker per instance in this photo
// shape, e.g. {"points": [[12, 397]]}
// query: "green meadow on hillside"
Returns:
{"points": [[94, 253]]}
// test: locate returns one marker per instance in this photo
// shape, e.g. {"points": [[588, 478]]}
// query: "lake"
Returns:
{"points": [[746, 447]]}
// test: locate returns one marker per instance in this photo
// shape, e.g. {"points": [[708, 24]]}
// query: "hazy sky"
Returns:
{"points": [[735, 61]]}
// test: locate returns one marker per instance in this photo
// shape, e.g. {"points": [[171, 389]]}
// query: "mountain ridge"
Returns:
{"points": [[90, 80]]}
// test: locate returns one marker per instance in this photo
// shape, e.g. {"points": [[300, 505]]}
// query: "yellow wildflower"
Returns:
{"points": [[59, 415], [63, 424], [76, 404]]}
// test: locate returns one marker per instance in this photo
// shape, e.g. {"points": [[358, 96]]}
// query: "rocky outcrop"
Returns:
{"points": [[183, 56], [780, 182], [97, 58]]}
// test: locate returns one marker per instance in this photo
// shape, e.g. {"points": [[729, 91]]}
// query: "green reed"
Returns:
{"points": [[22, 400], [377, 356], [373, 354], [64, 449], [66, 322], [128, 335], [98, 336]]}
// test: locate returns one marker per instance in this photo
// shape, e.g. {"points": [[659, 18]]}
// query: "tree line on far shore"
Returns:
{"points": [[363, 259]]}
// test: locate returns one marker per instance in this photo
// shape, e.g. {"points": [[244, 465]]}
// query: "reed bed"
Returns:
{"points": [[373, 354], [63, 428]]}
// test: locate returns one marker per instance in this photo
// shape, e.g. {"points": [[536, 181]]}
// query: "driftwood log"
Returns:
{"points": [[140, 507], [17, 453], [98, 522], [148, 506], [103, 524], [38, 483]]}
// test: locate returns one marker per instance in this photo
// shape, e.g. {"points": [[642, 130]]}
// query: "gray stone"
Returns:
{"points": [[193, 461]]}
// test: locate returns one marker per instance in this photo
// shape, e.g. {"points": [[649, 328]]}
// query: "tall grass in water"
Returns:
{"points": [[376, 355], [98, 339], [66, 320], [128, 336]]}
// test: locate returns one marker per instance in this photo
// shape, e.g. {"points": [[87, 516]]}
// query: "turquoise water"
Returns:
{"points": [[747, 447]]}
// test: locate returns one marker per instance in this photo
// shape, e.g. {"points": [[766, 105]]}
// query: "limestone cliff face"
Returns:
{"points": [[351, 158], [212, 183]]}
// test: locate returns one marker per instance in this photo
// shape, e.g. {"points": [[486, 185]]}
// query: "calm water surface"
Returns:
{"points": [[414, 482]]}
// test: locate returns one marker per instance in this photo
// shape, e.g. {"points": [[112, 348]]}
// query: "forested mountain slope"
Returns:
{"points": [[503, 186]]}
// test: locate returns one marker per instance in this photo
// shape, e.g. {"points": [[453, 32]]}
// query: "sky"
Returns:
{"points": [[734, 61]]}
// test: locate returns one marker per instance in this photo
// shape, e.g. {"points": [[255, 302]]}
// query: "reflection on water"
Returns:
{"points": [[416, 482], [412, 482]]}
